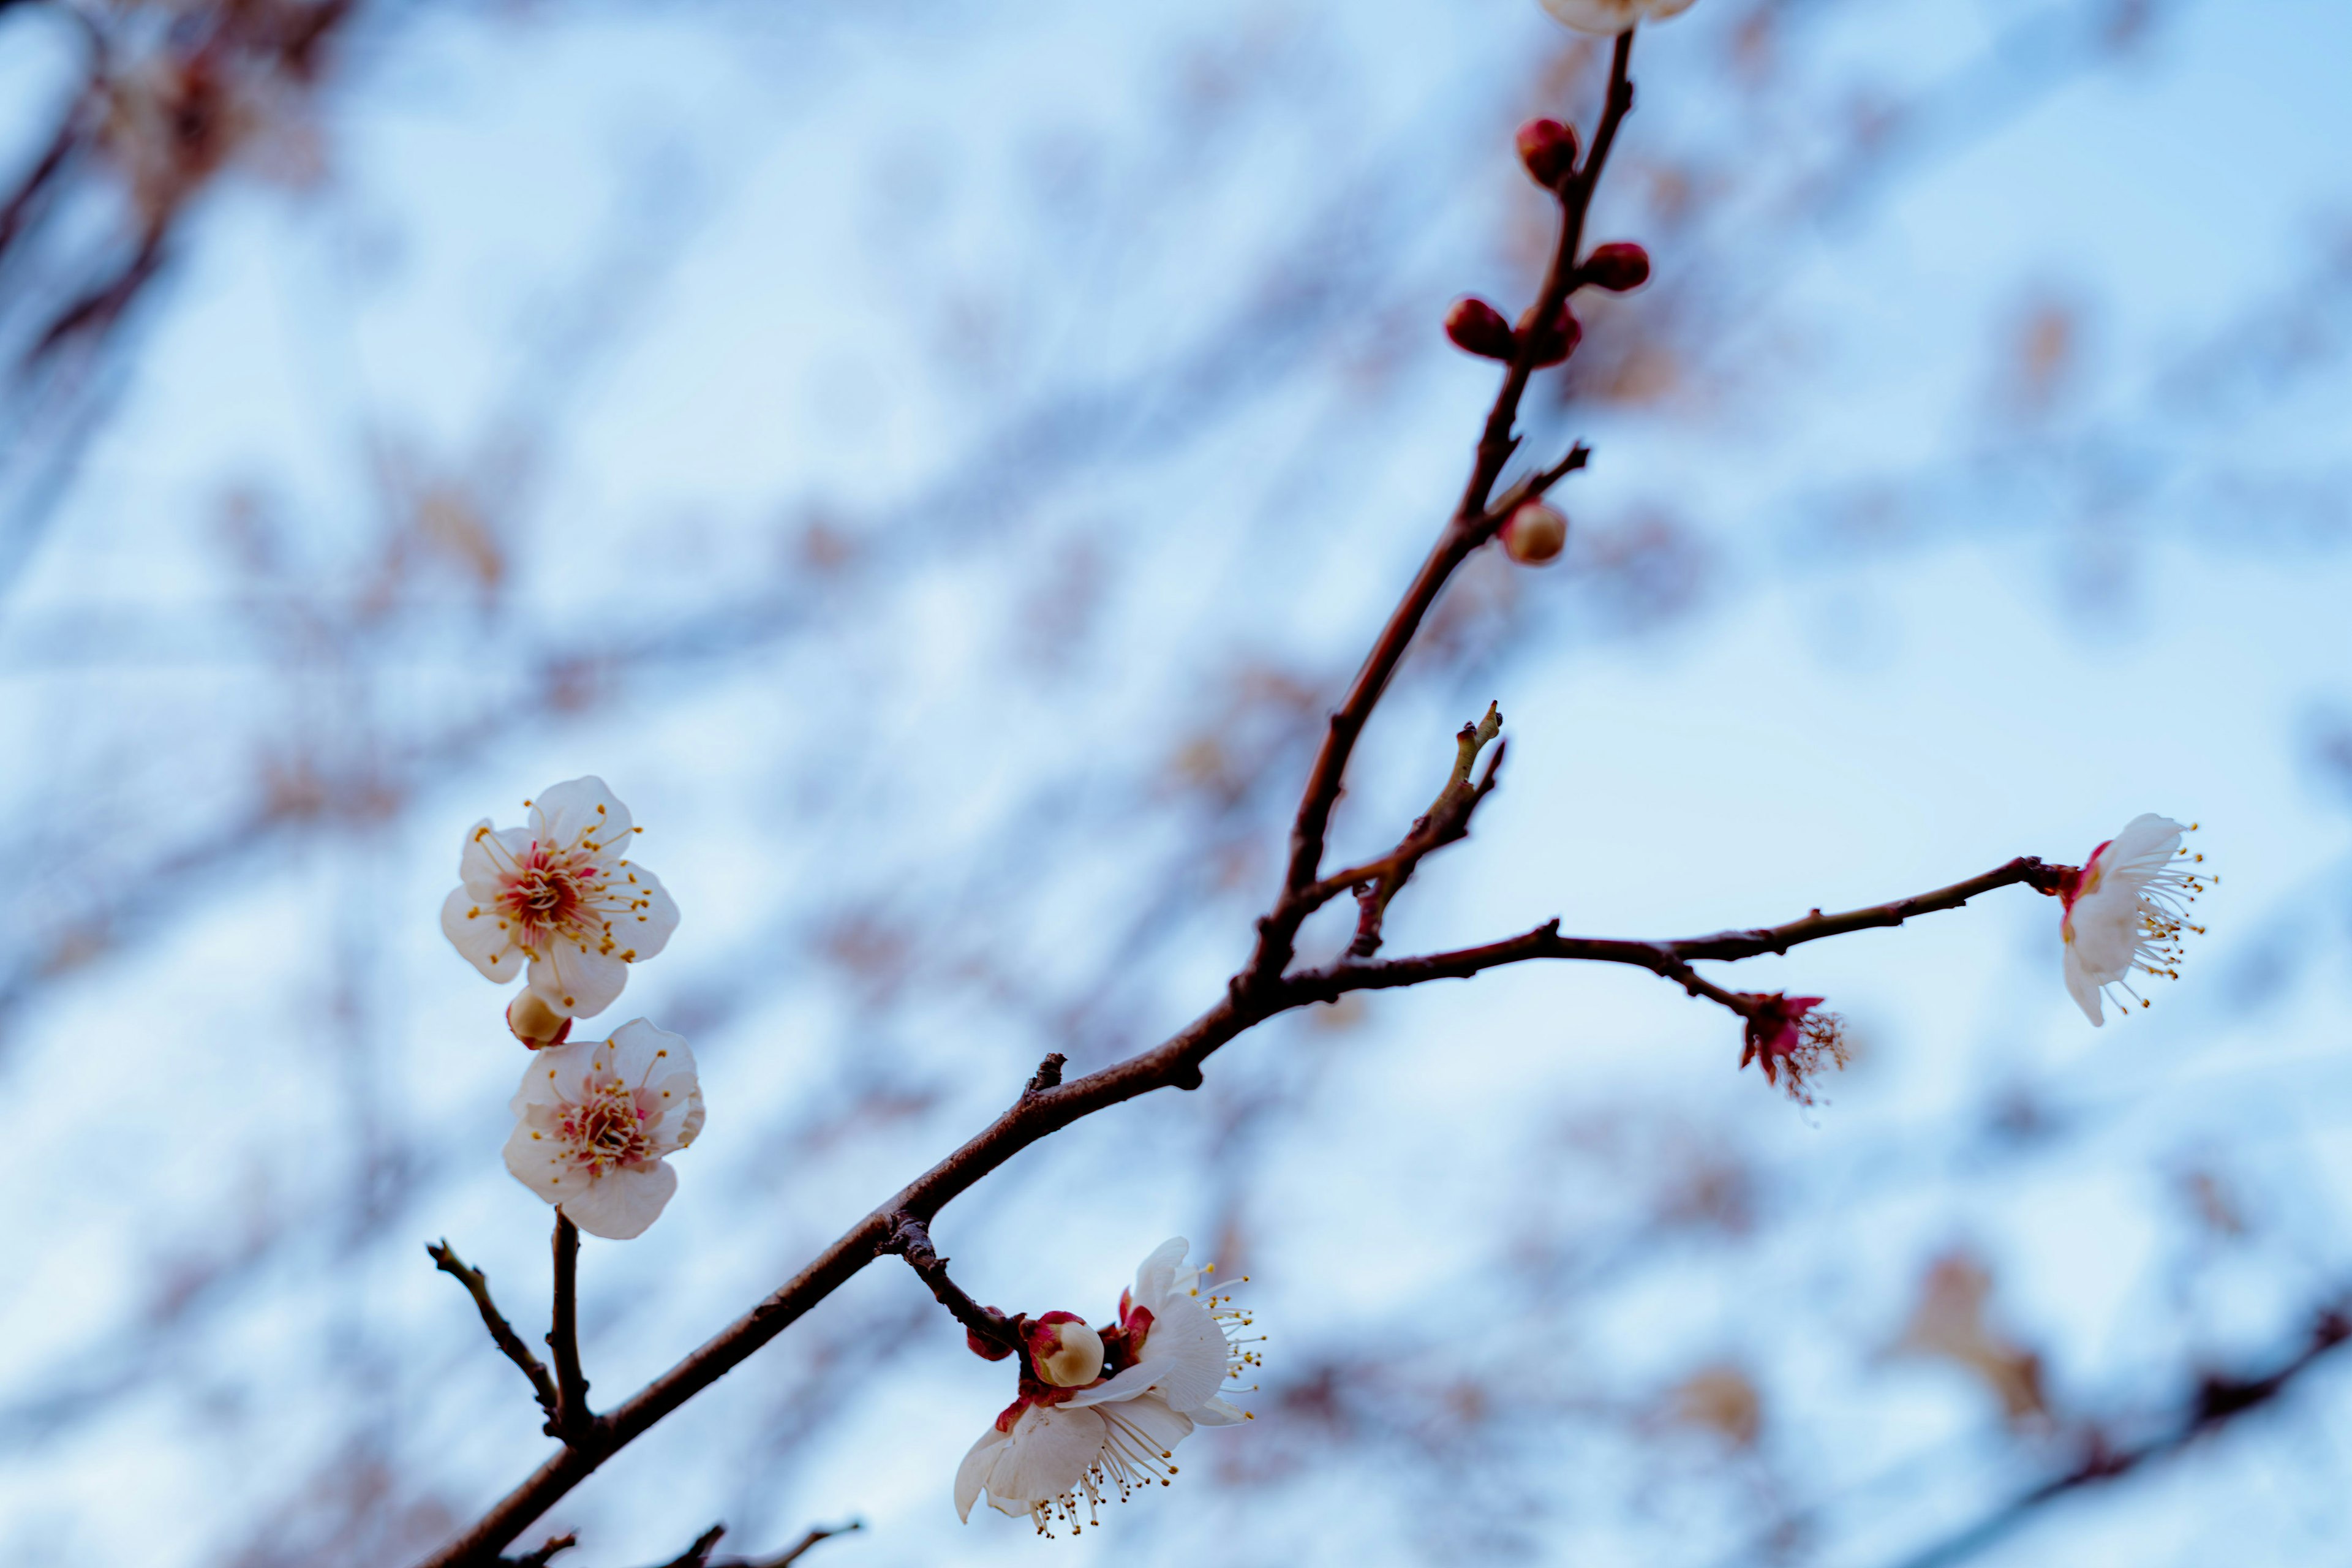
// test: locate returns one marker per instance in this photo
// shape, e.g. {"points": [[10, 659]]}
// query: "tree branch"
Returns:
{"points": [[1472, 525], [572, 1421], [502, 1333], [1261, 990], [911, 1239], [1669, 959], [2218, 1402]]}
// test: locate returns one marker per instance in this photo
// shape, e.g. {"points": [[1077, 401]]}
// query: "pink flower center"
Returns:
{"points": [[607, 1130], [547, 895]]}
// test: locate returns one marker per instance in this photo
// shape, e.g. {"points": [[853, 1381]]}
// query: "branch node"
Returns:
{"points": [[1048, 1075]]}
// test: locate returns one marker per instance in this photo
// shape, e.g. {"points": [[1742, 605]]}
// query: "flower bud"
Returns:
{"points": [[1067, 1352], [1478, 327], [1559, 341], [1535, 534], [536, 1024], [1549, 150], [1617, 267]]}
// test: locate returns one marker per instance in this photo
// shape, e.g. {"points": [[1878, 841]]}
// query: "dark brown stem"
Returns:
{"points": [[1174, 1063], [573, 1422], [2217, 1401], [1472, 525], [792, 1553], [544, 1554], [911, 1239], [502, 1335]]}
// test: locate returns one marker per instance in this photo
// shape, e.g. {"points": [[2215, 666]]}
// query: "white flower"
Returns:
{"points": [[596, 1117], [1613, 16], [2125, 909], [557, 894], [1053, 1453]]}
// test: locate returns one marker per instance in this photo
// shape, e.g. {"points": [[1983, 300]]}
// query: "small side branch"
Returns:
{"points": [[544, 1554], [2217, 1403], [502, 1335], [572, 1418], [794, 1552], [1670, 960], [1447, 821], [991, 1333]]}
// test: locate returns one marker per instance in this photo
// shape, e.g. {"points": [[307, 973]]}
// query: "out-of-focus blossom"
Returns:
{"points": [[594, 1119], [557, 894], [1057, 1452], [1612, 16], [1950, 1324], [2125, 909]]}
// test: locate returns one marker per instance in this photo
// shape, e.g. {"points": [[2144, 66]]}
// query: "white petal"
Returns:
{"points": [[476, 931], [2082, 987], [1051, 1447], [680, 1121], [1596, 15], [1156, 1276], [643, 1050], [1191, 1348], [1218, 1412], [556, 1074], [1133, 1382], [2147, 836], [579, 811], [575, 982], [541, 1164], [489, 855], [641, 931], [975, 1468], [620, 1204]]}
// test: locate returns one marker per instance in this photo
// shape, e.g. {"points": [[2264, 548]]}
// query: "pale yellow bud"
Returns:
{"points": [[534, 1023], [1535, 534], [1076, 1358]]}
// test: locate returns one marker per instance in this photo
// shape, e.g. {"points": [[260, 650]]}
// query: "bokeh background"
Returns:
{"points": [[938, 461]]}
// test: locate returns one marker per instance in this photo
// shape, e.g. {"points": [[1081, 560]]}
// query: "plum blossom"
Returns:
{"points": [[594, 1119], [1063, 1447], [2127, 908], [557, 894], [1612, 16]]}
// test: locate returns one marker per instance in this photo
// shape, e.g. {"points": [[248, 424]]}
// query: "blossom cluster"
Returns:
{"points": [[556, 900], [1100, 1411]]}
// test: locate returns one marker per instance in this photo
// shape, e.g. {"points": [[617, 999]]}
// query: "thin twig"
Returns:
{"points": [[1260, 991], [792, 1553], [502, 1333], [2218, 1402], [545, 1552], [1472, 525], [573, 1420], [911, 1239]]}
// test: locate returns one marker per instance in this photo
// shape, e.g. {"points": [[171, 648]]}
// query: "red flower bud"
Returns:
{"points": [[1549, 150], [1559, 340], [1617, 267], [1535, 534], [1478, 327]]}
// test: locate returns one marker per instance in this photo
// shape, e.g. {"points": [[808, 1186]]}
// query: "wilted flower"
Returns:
{"points": [[1612, 16], [595, 1118], [2125, 909], [1787, 1037], [1064, 1447], [557, 894]]}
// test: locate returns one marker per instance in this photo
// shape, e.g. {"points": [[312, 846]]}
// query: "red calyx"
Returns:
{"points": [[1617, 267], [1475, 327], [1775, 1024], [987, 1350], [1549, 150]]}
